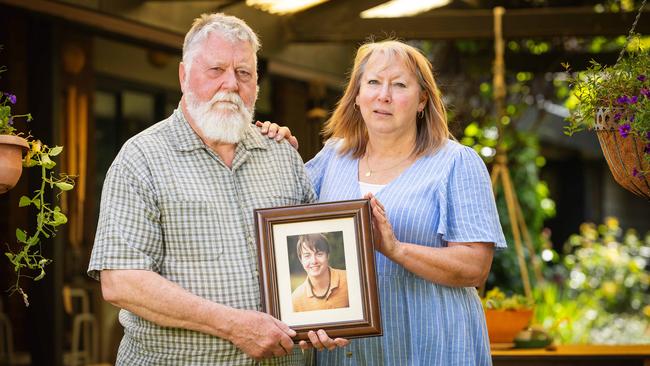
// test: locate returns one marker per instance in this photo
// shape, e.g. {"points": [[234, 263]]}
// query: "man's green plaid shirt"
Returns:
{"points": [[171, 206]]}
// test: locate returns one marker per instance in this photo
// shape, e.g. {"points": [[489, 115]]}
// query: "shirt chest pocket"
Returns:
{"points": [[277, 189], [192, 230], [285, 200]]}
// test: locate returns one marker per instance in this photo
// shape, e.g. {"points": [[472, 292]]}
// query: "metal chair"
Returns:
{"points": [[6, 339], [85, 331]]}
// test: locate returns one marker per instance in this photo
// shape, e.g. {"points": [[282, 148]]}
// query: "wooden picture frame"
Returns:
{"points": [[292, 299]]}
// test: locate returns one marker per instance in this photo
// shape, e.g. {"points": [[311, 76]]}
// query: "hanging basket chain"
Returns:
{"points": [[631, 33]]}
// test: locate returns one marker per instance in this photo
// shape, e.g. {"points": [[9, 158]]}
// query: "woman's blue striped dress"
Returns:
{"points": [[442, 197]]}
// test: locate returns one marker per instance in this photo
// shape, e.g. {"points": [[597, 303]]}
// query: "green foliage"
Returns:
{"points": [[623, 88], [49, 216], [6, 118], [524, 162], [603, 86], [497, 300], [603, 291], [610, 266]]}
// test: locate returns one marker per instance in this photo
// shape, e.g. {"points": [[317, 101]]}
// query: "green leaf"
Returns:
{"points": [[24, 201], [20, 235], [471, 130], [33, 239], [64, 186], [28, 163], [40, 276], [56, 150], [37, 203], [10, 256], [47, 162], [59, 218]]}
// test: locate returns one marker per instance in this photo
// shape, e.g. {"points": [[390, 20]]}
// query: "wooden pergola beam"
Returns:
{"points": [[102, 21], [468, 24], [338, 21]]}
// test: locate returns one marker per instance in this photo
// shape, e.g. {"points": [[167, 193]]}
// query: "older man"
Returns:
{"points": [[175, 246]]}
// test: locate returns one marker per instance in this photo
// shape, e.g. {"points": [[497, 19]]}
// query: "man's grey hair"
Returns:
{"points": [[230, 27]]}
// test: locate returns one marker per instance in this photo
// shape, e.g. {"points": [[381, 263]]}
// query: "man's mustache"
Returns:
{"points": [[227, 97]]}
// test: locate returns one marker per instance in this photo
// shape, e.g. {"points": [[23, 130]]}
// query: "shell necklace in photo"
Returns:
{"points": [[320, 297]]}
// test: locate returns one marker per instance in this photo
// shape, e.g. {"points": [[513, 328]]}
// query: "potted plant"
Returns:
{"points": [[615, 102], [26, 256], [506, 315], [12, 146]]}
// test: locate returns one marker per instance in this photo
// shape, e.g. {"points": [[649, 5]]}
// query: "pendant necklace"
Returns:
{"points": [[370, 171], [311, 287]]}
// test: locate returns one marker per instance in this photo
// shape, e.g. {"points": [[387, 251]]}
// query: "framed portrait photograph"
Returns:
{"points": [[317, 268]]}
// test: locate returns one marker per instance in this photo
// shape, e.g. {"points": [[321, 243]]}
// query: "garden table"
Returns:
{"points": [[575, 355]]}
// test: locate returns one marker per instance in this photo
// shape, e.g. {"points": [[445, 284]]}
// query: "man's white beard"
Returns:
{"points": [[224, 118]]}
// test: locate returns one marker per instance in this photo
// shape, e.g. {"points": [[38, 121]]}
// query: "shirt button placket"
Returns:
{"points": [[252, 251]]}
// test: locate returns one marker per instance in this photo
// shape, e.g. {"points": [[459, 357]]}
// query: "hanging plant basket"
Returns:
{"points": [[11, 160], [624, 155]]}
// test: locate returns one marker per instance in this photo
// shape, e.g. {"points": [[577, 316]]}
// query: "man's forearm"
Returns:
{"points": [[158, 300]]}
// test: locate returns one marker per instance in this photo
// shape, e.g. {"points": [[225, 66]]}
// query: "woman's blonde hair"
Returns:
{"points": [[347, 122]]}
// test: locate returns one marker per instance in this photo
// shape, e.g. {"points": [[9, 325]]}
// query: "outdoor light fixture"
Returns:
{"points": [[282, 7], [402, 8]]}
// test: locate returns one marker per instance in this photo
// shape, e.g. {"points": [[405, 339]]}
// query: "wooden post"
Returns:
{"points": [[500, 172]]}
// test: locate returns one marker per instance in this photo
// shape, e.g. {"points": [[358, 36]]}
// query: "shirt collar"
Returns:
{"points": [[181, 133], [186, 139], [253, 139], [336, 278]]}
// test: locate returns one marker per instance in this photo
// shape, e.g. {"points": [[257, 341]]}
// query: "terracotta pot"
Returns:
{"points": [[623, 154], [11, 160], [503, 325]]}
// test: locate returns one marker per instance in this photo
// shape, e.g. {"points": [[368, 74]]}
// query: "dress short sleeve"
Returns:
{"points": [[129, 235], [468, 211]]}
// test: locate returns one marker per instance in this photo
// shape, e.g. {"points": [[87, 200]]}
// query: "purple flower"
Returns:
{"points": [[641, 78], [617, 116], [11, 121], [646, 92], [646, 149], [11, 97], [622, 99], [624, 130], [625, 99], [631, 118], [635, 173]]}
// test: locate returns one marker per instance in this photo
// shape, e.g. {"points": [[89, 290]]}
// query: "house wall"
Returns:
{"points": [[632, 211]]}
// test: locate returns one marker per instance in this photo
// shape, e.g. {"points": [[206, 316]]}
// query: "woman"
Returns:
{"points": [[437, 228], [325, 287]]}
